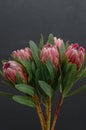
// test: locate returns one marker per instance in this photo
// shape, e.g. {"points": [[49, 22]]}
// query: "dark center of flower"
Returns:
{"points": [[6, 65], [47, 45], [75, 46]]}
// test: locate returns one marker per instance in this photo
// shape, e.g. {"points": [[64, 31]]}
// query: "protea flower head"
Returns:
{"points": [[58, 42], [10, 70], [75, 54], [50, 52], [22, 54]]}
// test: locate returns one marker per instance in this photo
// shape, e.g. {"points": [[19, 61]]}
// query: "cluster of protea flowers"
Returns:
{"points": [[38, 72]]}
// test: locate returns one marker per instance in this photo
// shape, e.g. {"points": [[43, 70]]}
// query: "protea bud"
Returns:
{"points": [[22, 54], [58, 42], [10, 70], [75, 54], [51, 53]]}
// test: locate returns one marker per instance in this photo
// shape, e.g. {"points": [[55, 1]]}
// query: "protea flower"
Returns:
{"points": [[22, 54], [51, 53], [58, 42], [75, 54], [10, 70]]}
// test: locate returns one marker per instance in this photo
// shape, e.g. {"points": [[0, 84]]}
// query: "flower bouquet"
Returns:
{"points": [[40, 72]]}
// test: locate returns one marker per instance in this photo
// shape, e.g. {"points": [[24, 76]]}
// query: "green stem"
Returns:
{"points": [[48, 113], [40, 112], [57, 111]]}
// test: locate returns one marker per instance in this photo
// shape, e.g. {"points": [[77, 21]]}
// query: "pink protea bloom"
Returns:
{"points": [[51, 53], [58, 42], [10, 70], [22, 54], [75, 54]]}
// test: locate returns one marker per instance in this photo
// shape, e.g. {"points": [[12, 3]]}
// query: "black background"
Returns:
{"points": [[22, 20]]}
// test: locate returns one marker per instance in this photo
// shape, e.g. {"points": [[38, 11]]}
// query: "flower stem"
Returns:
{"points": [[40, 112], [57, 111], [48, 113]]}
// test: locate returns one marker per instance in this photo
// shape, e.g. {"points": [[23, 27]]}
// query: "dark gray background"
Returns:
{"points": [[22, 20]]}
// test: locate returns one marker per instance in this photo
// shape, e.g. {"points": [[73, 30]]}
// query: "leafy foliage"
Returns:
{"points": [[76, 91], [51, 39], [35, 52], [47, 89], [5, 94], [27, 89], [24, 100], [41, 42]]}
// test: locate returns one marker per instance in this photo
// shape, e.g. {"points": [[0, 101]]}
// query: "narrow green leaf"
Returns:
{"points": [[62, 50], [78, 90], [44, 74], [1, 73], [65, 66], [69, 78], [41, 42], [37, 74], [66, 44], [29, 70], [4, 61], [58, 86], [18, 77], [28, 67], [51, 69], [5, 94], [47, 89], [51, 39], [33, 67], [24, 100], [35, 51], [27, 89], [81, 73]]}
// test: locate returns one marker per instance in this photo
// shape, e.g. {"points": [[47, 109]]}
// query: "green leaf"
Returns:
{"points": [[80, 89], [29, 70], [35, 51], [33, 67], [81, 73], [5, 94], [51, 39], [4, 61], [59, 84], [64, 67], [44, 74], [47, 89], [1, 73], [27, 89], [28, 67], [18, 77], [62, 50], [67, 44], [41, 42], [37, 74], [51, 69], [24, 100], [69, 78]]}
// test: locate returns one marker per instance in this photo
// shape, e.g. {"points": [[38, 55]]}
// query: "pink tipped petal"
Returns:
{"points": [[58, 42], [75, 54], [22, 54], [51, 53], [75, 45], [10, 70]]}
